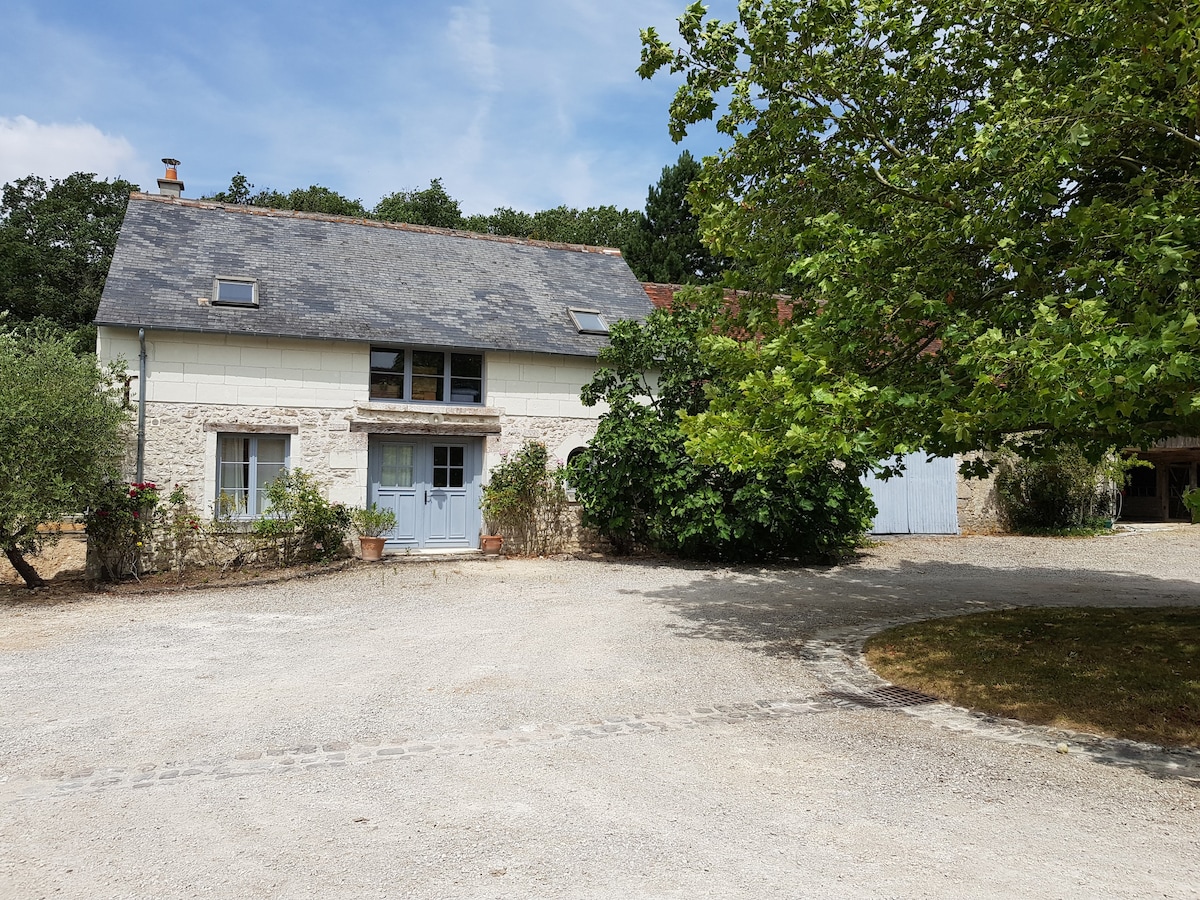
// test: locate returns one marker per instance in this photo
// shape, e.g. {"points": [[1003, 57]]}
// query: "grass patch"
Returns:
{"points": [[1131, 673]]}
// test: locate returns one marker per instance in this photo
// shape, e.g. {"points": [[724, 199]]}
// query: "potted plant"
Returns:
{"points": [[491, 540], [371, 524], [494, 503]]}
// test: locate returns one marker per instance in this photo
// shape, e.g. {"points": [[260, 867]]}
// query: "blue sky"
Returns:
{"points": [[521, 103]]}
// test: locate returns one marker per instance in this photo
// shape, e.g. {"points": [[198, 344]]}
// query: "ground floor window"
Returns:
{"points": [[246, 465]]}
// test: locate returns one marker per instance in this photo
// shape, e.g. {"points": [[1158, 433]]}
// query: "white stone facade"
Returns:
{"points": [[317, 392]]}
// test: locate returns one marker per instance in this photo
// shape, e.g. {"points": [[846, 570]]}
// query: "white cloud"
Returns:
{"points": [[55, 151], [470, 35]]}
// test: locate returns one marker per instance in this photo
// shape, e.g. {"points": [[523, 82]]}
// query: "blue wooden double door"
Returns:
{"points": [[432, 485]]}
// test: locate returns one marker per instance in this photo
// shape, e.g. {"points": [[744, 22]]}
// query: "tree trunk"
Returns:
{"points": [[24, 569]]}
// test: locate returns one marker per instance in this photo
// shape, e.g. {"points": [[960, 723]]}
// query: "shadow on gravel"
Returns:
{"points": [[776, 610]]}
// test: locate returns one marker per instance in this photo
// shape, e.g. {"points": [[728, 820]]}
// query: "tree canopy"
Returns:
{"points": [[60, 438], [665, 247], [431, 206], [638, 485], [314, 198], [56, 242], [986, 216]]}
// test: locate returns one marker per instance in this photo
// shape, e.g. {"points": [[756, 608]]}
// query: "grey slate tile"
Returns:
{"points": [[325, 277]]}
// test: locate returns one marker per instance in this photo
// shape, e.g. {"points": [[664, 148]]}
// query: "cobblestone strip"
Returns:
{"points": [[363, 750], [837, 658]]}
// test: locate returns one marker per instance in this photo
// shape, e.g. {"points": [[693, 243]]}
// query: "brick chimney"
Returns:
{"points": [[170, 185]]}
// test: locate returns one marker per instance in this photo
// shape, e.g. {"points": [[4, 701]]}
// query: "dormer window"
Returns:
{"points": [[235, 292], [588, 321]]}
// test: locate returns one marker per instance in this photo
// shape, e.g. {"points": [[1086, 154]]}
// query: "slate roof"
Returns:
{"points": [[351, 279]]}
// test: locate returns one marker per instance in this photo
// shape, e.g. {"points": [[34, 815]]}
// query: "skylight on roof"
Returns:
{"points": [[588, 321], [235, 292]]}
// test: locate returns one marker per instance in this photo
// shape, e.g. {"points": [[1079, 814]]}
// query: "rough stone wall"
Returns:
{"points": [[181, 444], [560, 434], [181, 450], [978, 511]]}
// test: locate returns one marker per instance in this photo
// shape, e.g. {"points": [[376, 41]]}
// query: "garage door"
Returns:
{"points": [[924, 500]]}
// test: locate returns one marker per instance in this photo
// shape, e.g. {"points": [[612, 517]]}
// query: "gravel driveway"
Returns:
{"points": [[562, 729]]}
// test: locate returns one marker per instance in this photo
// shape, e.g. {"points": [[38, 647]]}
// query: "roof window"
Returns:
{"points": [[589, 321], [235, 292]]}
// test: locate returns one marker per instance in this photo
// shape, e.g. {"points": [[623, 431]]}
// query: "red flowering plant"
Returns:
{"points": [[120, 527]]}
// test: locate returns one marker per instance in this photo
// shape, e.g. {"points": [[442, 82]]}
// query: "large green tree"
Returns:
{"points": [[56, 242], [599, 226], [60, 439], [987, 214], [639, 486], [431, 206], [666, 245], [314, 198]]}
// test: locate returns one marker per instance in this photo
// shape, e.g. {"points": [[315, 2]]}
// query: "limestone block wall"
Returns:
{"points": [[531, 384], [184, 367], [560, 434], [200, 385], [539, 399], [181, 446]]}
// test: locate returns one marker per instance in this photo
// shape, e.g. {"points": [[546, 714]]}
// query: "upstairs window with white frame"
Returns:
{"points": [[246, 466], [426, 376]]}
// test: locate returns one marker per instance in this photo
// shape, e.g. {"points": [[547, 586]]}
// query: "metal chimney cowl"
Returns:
{"points": [[170, 185]]}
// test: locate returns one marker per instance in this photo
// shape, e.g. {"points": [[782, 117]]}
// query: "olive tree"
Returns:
{"points": [[60, 439]]}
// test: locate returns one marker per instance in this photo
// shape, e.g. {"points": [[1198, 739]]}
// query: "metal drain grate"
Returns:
{"points": [[888, 697]]}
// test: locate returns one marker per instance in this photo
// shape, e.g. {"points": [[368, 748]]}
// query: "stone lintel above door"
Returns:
{"points": [[448, 429], [458, 421]]}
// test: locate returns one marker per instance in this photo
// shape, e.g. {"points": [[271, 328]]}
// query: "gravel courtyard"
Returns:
{"points": [[562, 729]]}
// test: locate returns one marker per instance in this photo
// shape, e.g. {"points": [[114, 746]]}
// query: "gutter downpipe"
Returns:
{"points": [[141, 433]]}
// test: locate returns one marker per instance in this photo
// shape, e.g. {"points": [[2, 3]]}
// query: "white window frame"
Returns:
{"points": [[447, 376], [249, 512]]}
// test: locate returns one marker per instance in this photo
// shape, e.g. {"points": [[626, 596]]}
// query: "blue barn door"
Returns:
{"points": [[924, 500]]}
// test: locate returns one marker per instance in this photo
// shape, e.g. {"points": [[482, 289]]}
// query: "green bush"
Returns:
{"points": [[525, 501], [639, 486], [300, 525], [1063, 491]]}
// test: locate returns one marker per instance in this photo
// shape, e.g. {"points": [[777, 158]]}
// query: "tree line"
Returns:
{"points": [[57, 236]]}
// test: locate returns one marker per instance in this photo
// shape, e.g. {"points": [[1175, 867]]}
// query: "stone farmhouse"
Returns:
{"points": [[395, 363]]}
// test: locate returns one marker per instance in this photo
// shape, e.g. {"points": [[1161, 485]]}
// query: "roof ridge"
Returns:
{"points": [[270, 212]]}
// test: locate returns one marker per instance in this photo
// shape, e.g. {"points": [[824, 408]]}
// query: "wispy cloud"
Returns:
{"points": [[470, 36]]}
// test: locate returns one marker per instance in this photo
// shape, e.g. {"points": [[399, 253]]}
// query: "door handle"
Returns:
{"points": [[427, 498]]}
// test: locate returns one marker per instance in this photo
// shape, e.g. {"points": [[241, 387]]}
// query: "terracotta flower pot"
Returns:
{"points": [[372, 548], [490, 544]]}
